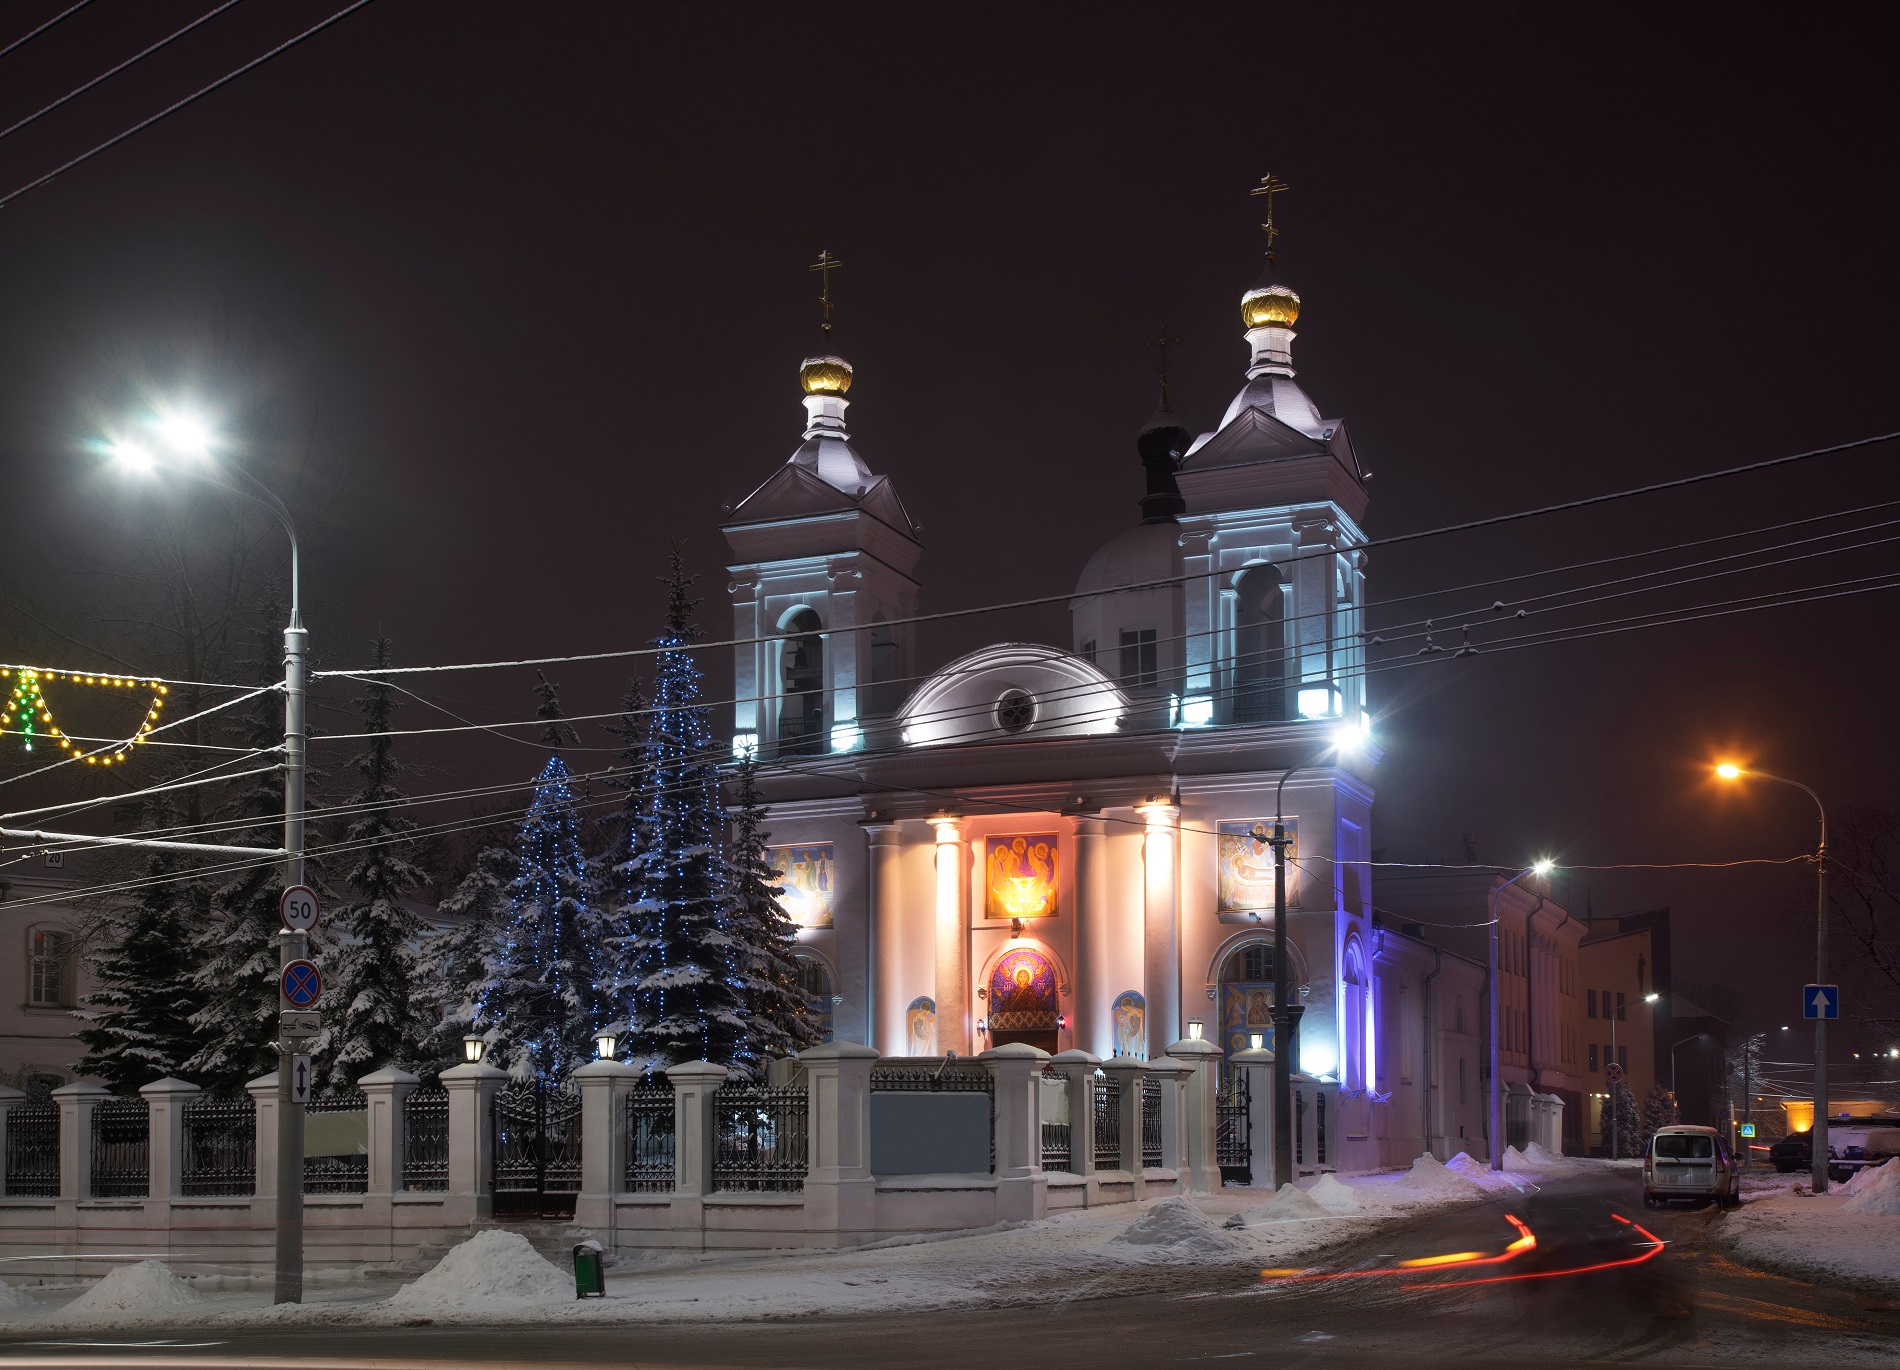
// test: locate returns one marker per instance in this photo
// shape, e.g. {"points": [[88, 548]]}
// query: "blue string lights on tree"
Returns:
{"points": [[540, 1001], [684, 1001]]}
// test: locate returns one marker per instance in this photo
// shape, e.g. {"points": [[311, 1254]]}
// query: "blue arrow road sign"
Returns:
{"points": [[303, 986], [1821, 1001]]}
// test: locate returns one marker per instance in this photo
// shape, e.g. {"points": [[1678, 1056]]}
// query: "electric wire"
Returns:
{"points": [[73, 94], [173, 108], [63, 14]]}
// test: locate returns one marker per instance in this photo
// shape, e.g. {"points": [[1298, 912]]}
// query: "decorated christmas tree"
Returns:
{"points": [[685, 1002], [373, 1018], [777, 1012], [138, 1019], [625, 839], [540, 1001], [452, 965]]}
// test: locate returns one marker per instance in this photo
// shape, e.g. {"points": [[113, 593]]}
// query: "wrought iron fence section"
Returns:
{"points": [[760, 1138], [121, 1148], [32, 1159], [425, 1140], [648, 1164], [1057, 1144], [537, 1147], [1150, 1122], [346, 1172], [1108, 1122], [1233, 1127], [219, 1133]]}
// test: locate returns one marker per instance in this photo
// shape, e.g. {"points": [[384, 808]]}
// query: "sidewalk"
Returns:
{"points": [[1850, 1234]]}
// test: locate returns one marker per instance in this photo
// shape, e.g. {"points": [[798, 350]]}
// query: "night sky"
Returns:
{"points": [[506, 297]]}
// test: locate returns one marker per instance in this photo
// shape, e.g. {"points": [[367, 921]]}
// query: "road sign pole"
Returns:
{"points": [[1818, 1135], [291, 946]]}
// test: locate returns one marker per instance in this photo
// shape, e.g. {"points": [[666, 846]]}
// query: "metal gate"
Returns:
{"points": [[1233, 1129], [537, 1148]]}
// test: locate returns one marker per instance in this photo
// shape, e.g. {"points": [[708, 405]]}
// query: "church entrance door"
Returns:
{"points": [[1022, 1000]]}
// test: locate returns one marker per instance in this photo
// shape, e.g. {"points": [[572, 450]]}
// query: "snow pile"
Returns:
{"points": [[1177, 1226], [1879, 1193], [11, 1297], [1289, 1205], [1868, 1176], [1333, 1196], [1435, 1179], [148, 1287], [492, 1267], [1535, 1157], [1480, 1174]]}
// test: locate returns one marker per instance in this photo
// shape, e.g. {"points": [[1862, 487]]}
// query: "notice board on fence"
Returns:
{"points": [[930, 1134]]}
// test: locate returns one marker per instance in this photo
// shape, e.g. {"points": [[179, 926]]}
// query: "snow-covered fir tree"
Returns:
{"points": [[540, 1001], [138, 1019], [452, 965], [624, 838], [236, 952], [1622, 1121], [777, 1013], [372, 978], [685, 1002]]}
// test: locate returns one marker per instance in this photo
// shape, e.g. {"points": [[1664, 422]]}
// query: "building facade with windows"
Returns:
{"points": [[45, 974], [1065, 845]]}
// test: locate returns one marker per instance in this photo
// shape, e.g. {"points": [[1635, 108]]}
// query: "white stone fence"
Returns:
{"points": [[839, 1149]]}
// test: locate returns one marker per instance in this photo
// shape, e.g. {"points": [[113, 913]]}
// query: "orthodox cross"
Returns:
{"points": [[1270, 185], [824, 266], [1162, 362]]}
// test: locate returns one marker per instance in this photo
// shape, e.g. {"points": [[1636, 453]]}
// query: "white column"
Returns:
{"points": [[472, 1090], [1094, 987], [603, 1086], [840, 1194], [165, 1101], [1022, 1190], [1161, 923], [263, 1092], [1203, 1170], [952, 937], [386, 1091], [887, 941], [76, 1102]]}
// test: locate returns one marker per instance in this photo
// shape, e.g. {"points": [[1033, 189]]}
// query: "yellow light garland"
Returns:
{"points": [[28, 706]]}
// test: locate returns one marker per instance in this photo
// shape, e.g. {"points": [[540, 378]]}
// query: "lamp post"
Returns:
{"points": [[184, 435], [1286, 1014], [1497, 1085], [1818, 1136]]}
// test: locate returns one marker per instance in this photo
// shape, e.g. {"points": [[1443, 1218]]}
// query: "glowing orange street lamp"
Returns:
{"points": [[1728, 770]]}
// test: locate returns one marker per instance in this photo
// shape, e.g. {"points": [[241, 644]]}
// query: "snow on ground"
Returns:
{"points": [[495, 1277], [1852, 1232], [146, 1288]]}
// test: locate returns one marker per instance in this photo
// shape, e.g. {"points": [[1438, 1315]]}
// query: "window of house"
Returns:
{"points": [[1593, 1055], [1623, 1057], [1141, 660], [1619, 1006], [1590, 1004], [46, 975]]}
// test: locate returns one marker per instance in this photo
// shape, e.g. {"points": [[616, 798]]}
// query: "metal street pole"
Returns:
{"points": [[1616, 1098], [1497, 1085]]}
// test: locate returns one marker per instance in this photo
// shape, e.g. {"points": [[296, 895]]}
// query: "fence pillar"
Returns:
{"points": [[603, 1086], [1255, 1066], [840, 1193], [165, 1102], [9, 1096], [1203, 1169], [76, 1102], [1078, 1067], [471, 1088], [1126, 1072], [384, 1093], [1174, 1076], [263, 1092], [695, 1134], [1022, 1190]]}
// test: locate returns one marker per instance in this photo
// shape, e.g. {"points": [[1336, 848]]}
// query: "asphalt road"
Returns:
{"points": [[1591, 1289]]}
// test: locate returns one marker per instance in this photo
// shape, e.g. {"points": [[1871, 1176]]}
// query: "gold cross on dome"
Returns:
{"points": [[824, 266], [1270, 185], [1162, 360]]}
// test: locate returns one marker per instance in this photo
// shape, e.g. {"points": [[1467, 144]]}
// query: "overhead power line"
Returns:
{"points": [[192, 98], [63, 14]]}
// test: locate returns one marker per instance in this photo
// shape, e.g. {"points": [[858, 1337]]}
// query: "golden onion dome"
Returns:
{"points": [[825, 375], [1273, 305]]}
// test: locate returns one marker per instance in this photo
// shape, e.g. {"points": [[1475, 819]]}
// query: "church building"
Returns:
{"points": [[1065, 845]]}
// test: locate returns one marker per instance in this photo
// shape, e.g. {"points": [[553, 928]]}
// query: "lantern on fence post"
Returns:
{"points": [[1195, 1028], [473, 1048], [604, 1042]]}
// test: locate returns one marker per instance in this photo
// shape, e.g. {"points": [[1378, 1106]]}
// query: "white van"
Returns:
{"points": [[1690, 1164]]}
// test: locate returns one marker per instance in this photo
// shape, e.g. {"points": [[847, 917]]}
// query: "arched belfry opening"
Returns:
{"points": [[1260, 646], [801, 717]]}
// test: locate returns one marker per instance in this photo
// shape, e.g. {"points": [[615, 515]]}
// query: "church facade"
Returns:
{"points": [[1064, 845]]}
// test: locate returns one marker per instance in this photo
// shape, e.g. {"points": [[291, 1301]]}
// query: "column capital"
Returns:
{"points": [[882, 831], [1088, 824], [1159, 813], [948, 827]]}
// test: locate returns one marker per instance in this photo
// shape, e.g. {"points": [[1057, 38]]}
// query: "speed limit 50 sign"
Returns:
{"points": [[298, 908]]}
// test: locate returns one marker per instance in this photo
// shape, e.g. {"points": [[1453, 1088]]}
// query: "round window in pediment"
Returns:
{"points": [[1015, 711]]}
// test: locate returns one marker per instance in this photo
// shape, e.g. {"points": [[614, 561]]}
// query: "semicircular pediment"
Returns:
{"points": [[1012, 690]]}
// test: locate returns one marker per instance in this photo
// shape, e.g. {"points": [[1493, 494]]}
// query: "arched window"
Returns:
{"points": [[814, 978], [1260, 672], [1352, 1018], [801, 714], [1246, 996]]}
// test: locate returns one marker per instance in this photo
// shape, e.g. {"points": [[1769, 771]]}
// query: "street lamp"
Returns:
{"points": [[1728, 770], [1616, 1100], [187, 435], [1540, 868]]}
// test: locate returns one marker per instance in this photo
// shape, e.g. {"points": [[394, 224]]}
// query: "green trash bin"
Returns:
{"points": [[590, 1270]]}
